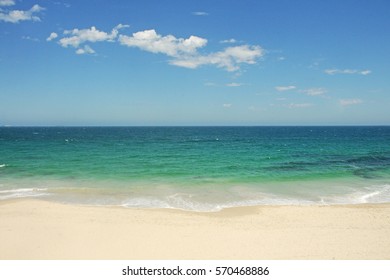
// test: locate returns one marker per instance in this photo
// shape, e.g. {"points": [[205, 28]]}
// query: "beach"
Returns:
{"points": [[42, 230]]}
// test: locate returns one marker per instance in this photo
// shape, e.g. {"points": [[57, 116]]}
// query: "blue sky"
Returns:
{"points": [[195, 62]]}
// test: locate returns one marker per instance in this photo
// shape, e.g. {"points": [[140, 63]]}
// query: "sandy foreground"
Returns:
{"points": [[33, 229]]}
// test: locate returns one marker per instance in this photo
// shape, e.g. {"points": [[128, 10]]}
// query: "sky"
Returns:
{"points": [[194, 62]]}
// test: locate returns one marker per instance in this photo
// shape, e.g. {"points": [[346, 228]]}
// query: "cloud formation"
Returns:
{"points": [[229, 41], [347, 71], [52, 36], [80, 36], [29, 38], [200, 14], [182, 52], [299, 105], [349, 102], [230, 58], [85, 50], [76, 38], [7, 3], [314, 91], [309, 91], [149, 40], [16, 16], [285, 88], [234, 85]]}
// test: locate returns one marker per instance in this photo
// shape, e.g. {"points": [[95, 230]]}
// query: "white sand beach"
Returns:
{"points": [[34, 229]]}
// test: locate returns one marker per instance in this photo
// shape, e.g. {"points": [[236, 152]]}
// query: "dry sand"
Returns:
{"points": [[33, 229]]}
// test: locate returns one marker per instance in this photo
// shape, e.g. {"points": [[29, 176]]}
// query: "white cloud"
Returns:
{"points": [[347, 71], [149, 40], [85, 50], [66, 5], [314, 91], [7, 2], [185, 51], [80, 36], [241, 54], [299, 105], [348, 102], [30, 38], [285, 88], [52, 36], [15, 16], [309, 91], [229, 59], [234, 85], [200, 14], [365, 72], [227, 105], [331, 71], [121, 26], [229, 41], [76, 38]]}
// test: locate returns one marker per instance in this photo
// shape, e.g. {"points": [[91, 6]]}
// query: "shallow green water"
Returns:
{"points": [[196, 168]]}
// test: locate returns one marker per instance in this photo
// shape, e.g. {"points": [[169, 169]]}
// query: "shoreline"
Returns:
{"points": [[37, 229]]}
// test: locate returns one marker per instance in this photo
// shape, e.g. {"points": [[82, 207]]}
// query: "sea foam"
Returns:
{"points": [[22, 193]]}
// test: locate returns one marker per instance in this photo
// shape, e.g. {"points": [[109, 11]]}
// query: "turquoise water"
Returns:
{"points": [[196, 168]]}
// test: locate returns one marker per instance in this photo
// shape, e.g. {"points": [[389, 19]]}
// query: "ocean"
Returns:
{"points": [[196, 168]]}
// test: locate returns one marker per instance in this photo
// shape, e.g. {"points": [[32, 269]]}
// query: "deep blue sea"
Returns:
{"points": [[196, 168]]}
